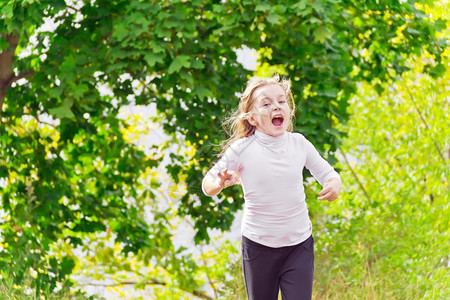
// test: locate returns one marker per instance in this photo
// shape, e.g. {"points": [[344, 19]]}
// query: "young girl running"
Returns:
{"points": [[267, 158]]}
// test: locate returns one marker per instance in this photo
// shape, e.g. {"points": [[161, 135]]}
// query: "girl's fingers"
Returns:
{"points": [[224, 174], [232, 180], [227, 178], [324, 191], [330, 190], [229, 182], [328, 196]]}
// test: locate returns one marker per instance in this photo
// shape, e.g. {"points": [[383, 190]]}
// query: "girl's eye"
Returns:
{"points": [[266, 104], [282, 101]]}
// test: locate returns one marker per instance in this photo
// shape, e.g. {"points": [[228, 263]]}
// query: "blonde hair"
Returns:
{"points": [[237, 125]]}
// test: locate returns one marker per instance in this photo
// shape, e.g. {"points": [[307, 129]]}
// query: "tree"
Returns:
{"points": [[66, 167]]}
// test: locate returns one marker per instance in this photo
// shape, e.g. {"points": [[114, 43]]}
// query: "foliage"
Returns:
{"points": [[211, 271], [68, 167], [11, 291], [388, 235]]}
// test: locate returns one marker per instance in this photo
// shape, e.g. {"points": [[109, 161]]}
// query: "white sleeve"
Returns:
{"points": [[319, 167], [229, 160]]}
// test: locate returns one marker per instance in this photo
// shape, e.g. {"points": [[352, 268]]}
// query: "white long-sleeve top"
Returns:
{"points": [[275, 211]]}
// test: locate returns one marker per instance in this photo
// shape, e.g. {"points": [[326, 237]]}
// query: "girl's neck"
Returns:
{"points": [[272, 142], [263, 135]]}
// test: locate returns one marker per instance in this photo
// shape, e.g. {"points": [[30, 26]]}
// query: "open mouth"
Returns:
{"points": [[277, 120]]}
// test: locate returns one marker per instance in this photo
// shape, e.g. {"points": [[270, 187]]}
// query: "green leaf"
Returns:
{"points": [[3, 43], [62, 112], [68, 65], [358, 22], [302, 8], [120, 31], [115, 225], [274, 18], [262, 6], [321, 34], [440, 24], [7, 11], [155, 47], [437, 71], [67, 265], [202, 92], [178, 63], [413, 31], [379, 89], [197, 64], [329, 92], [300, 5], [79, 91], [318, 6], [153, 58], [3, 171]]}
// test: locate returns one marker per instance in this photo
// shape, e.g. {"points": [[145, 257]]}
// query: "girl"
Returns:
{"points": [[268, 158]]}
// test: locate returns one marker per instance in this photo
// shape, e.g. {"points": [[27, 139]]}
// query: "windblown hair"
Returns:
{"points": [[237, 125]]}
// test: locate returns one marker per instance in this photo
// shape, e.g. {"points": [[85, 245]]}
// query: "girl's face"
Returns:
{"points": [[271, 112]]}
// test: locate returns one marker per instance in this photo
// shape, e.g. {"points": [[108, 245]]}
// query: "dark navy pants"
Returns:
{"points": [[268, 270]]}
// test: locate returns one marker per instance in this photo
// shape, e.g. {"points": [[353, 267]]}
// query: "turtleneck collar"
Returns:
{"points": [[270, 141]]}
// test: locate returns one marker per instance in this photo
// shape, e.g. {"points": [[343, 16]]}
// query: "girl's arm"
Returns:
{"points": [[323, 172], [224, 173], [225, 179]]}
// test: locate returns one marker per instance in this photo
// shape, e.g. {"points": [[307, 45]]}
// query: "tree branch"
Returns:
{"points": [[355, 175], [436, 145], [437, 265], [6, 62], [18, 77], [7, 84], [211, 283], [150, 282], [73, 8], [43, 122]]}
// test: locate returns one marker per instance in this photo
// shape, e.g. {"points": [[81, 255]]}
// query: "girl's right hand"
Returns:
{"points": [[228, 178]]}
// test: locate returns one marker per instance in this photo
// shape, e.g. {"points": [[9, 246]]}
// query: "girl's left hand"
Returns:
{"points": [[330, 190], [227, 178]]}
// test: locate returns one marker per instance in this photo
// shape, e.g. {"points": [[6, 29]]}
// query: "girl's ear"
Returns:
{"points": [[252, 121]]}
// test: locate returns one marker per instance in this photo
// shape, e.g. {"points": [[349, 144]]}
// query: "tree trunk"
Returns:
{"points": [[6, 72]]}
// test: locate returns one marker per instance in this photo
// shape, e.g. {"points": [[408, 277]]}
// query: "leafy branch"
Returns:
{"points": [[436, 145], [20, 76], [355, 175]]}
